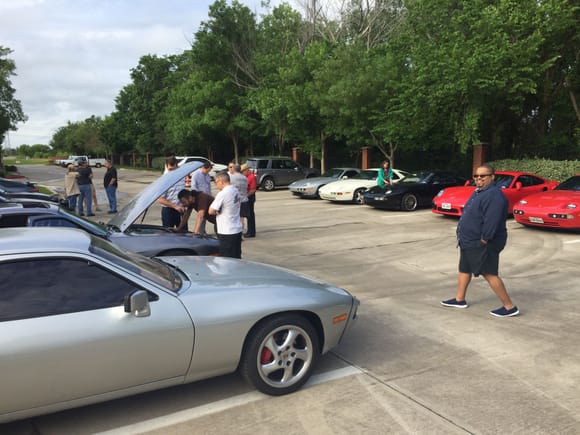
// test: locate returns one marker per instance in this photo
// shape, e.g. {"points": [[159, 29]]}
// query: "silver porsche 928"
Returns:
{"points": [[83, 321]]}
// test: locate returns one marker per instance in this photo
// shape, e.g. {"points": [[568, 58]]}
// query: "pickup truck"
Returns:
{"points": [[97, 163]]}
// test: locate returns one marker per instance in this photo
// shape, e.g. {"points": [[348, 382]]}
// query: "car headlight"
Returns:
{"points": [[523, 202], [571, 206], [440, 193]]}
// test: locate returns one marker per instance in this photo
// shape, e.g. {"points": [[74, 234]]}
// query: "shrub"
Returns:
{"points": [[552, 169]]}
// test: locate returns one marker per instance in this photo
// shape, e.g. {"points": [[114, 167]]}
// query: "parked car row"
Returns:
{"points": [[533, 200], [123, 229], [84, 310]]}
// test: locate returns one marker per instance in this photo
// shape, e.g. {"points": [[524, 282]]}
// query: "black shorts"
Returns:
{"points": [[483, 260]]}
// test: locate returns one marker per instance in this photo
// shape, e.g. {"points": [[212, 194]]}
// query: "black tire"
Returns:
{"points": [[268, 184], [176, 253], [317, 194], [287, 341], [357, 196], [409, 202], [98, 165]]}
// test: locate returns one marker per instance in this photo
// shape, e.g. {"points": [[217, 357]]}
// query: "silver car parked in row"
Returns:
{"points": [[309, 187], [82, 321], [147, 239]]}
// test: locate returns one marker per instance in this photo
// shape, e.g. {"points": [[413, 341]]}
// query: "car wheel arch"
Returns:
{"points": [[301, 322], [311, 317]]}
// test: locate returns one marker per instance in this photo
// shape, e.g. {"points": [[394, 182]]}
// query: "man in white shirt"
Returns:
{"points": [[226, 208]]}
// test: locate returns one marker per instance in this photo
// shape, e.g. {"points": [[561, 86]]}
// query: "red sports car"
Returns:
{"points": [[514, 185], [558, 208]]}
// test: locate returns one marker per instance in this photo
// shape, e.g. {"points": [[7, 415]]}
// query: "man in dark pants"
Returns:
{"points": [[110, 183], [84, 182], [172, 210], [252, 188], [226, 208], [482, 235]]}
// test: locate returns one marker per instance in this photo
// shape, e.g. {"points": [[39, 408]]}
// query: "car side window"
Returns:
{"points": [[47, 287], [262, 164], [288, 164], [51, 222], [528, 180], [349, 174], [13, 220]]}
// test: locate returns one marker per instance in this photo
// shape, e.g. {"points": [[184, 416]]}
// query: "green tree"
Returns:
{"points": [[10, 108], [211, 100]]}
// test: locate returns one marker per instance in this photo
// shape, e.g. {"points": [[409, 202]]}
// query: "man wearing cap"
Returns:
{"points": [[252, 188]]}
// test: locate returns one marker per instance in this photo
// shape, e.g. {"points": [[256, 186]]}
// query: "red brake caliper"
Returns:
{"points": [[266, 356]]}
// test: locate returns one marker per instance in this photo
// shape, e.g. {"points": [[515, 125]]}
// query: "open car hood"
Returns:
{"points": [[142, 201]]}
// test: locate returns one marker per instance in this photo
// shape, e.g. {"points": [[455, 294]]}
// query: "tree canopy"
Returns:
{"points": [[419, 80]]}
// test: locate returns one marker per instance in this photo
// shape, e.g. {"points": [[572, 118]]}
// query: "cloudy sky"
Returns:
{"points": [[74, 56]]}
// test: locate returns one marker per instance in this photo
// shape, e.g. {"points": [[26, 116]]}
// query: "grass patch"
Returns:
{"points": [[16, 161]]}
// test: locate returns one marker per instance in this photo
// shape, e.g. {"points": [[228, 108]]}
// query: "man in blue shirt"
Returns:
{"points": [[482, 235]]}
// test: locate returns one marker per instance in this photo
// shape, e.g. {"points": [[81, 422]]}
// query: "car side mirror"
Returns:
{"points": [[137, 303], [518, 185], [344, 177], [466, 183]]}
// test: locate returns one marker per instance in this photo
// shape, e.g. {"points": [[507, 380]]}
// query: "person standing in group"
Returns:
{"points": [[200, 202], [241, 183], [171, 210], [201, 182], [385, 177], [482, 235], [110, 184], [84, 182], [71, 187], [226, 208], [252, 188]]}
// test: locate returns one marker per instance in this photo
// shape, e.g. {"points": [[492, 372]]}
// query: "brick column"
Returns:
{"points": [[480, 154], [366, 158], [295, 153]]}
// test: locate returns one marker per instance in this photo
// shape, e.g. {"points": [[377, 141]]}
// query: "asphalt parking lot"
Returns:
{"points": [[409, 365]]}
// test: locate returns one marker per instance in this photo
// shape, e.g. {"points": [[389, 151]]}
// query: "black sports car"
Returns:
{"points": [[414, 191]]}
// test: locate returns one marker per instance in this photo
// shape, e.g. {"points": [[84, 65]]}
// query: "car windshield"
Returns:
{"points": [[333, 173], [366, 175], [153, 270], [572, 183], [501, 180], [419, 177]]}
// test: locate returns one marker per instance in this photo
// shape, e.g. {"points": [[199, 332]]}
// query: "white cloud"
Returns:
{"points": [[74, 56]]}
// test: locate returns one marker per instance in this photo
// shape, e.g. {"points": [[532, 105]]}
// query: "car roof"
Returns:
{"points": [[37, 206], [40, 239]]}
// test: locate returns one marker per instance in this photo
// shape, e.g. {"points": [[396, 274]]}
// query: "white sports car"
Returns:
{"points": [[352, 189]]}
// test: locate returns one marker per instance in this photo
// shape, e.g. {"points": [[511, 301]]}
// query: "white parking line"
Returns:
{"points": [[571, 241], [220, 405]]}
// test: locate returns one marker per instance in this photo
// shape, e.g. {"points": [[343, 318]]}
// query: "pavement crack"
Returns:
{"points": [[393, 388]]}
